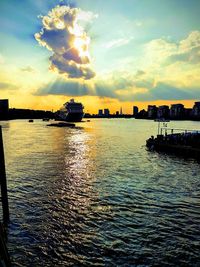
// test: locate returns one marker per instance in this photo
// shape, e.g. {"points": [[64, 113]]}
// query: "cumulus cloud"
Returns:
{"points": [[175, 76], [167, 52], [63, 34], [158, 50], [188, 49]]}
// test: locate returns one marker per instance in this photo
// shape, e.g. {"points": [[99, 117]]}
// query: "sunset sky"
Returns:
{"points": [[106, 54]]}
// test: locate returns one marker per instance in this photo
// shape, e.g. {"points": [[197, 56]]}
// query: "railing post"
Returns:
{"points": [[3, 182], [4, 255]]}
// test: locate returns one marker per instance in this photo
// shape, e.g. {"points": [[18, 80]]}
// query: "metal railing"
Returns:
{"points": [[165, 130]]}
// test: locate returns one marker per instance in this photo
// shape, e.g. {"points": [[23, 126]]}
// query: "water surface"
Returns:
{"points": [[94, 196]]}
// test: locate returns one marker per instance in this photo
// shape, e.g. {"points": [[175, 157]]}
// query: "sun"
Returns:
{"points": [[81, 43]]}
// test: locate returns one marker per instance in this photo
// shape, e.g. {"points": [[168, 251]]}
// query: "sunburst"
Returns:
{"points": [[81, 41]]}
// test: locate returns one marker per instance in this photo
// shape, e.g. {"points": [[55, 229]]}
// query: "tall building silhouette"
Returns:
{"points": [[135, 110], [4, 109]]}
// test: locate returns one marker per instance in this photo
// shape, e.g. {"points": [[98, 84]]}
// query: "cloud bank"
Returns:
{"points": [[171, 71], [7, 86], [63, 34]]}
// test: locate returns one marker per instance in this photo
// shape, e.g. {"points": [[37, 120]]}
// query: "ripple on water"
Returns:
{"points": [[94, 196]]}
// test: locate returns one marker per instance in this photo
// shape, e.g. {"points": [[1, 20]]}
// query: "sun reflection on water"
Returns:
{"points": [[90, 195]]}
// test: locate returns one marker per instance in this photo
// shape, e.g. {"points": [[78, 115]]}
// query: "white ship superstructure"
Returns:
{"points": [[72, 111]]}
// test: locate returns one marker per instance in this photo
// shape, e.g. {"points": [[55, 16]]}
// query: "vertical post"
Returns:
{"points": [[158, 127], [4, 255], [3, 182]]}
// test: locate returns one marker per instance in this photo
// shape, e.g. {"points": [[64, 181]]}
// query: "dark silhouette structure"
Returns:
{"points": [[4, 109], [15, 113]]}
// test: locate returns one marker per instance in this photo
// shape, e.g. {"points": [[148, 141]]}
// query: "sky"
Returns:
{"points": [[103, 53]]}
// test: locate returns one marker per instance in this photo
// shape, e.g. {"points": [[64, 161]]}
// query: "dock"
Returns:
{"points": [[179, 141]]}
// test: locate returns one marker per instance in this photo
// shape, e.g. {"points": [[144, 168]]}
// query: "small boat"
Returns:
{"points": [[31, 120]]}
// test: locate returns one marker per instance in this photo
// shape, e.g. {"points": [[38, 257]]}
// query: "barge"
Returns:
{"points": [[181, 142]]}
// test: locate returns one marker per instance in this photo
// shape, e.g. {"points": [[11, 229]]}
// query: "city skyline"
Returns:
{"points": [[150, 108], [124, 54]]}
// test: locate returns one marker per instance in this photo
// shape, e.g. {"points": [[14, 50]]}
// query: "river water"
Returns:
{"points": [[94, 196]]}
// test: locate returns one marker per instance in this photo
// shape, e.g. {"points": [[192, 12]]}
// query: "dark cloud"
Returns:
{"points": [[76, 88], [164, 91], [73, 70], [103, 89], [161, 91], [144, 83], [7, 86], [62, 87]]}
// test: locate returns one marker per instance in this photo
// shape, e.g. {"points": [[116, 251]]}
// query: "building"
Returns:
{"points": [[100, 113], [106, 112], [152, 111], [121, 113], [117, 113], [142, 114], [177, 111], [135, 110], [196, 110], [163, 112], [4, 109], [188, 113]]}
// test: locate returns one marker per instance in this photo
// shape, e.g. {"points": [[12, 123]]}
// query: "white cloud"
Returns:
{"points": [[63, 34], [167, 73], [165, 51], [117, 42], [192, 41]]}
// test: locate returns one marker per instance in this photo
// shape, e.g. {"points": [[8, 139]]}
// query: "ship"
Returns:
{"points": [[71, 111]]}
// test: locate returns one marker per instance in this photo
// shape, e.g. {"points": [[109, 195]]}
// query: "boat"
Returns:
{"points": [[71, 111], [179, 141]]}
